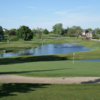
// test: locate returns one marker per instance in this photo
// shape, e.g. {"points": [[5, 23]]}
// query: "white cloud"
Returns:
{"points": [[24, 17], [67, 17], [70, 19], [77, 9], [60, 13], [6, 20]]}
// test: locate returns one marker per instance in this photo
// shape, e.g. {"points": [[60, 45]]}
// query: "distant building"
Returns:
{"points": [[4, 29], [87, 34]]}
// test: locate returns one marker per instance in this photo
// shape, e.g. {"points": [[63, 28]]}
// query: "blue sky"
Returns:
{"points": [[46, 13]]}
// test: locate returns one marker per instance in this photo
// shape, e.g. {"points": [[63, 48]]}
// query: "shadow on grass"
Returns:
{"points": [[95, 81], [31, 71], [9, 89], [24, 59]]}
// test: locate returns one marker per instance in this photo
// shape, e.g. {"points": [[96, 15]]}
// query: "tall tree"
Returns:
{"points": [[78, 31], [7, 32], [25, 33], [57, 28], [1, 33], [89, 29], [34, 31], [97, 31], [12, 32], [71, 32], [46, 31], [64, 31], [74, 31], [39, 31]]}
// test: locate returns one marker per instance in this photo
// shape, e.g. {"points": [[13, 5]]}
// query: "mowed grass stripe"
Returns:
{"points": [[53, 69]]}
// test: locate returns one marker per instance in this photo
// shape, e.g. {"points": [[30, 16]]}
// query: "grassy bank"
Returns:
{"points": [[52, 39], [48, 92], [53, 69]]}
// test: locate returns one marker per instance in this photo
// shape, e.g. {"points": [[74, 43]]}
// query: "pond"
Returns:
{"points": [[49, 49], [92, 60]]}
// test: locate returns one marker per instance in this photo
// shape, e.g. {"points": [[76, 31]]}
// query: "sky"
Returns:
{"points": [[47, 13]]}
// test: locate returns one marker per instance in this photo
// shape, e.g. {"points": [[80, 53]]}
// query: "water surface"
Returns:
{"points": [[49, 49], [91, 60]]}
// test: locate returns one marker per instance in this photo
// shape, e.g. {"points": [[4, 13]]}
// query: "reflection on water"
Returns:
{"points": [[49, 49]]}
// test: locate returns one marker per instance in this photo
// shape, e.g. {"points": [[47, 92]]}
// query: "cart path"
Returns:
{"points": [[48, 80]]}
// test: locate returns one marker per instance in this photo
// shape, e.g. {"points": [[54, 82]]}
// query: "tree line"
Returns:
{"points": [[73, 31], [25, 33]]}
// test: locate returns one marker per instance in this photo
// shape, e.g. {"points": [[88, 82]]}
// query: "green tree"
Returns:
{"points": [[54, 31], [1, 33], [64, 31], [97, 31], [57, 28], [34, 31], [12, 32], [39, 31], [24, 33], [78, 31], [7, 32], [74, 31], [71, 32], [46, 31], [89, 29]]}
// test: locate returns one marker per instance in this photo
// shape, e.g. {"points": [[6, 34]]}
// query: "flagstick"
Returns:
{"points": [[73, 58]]}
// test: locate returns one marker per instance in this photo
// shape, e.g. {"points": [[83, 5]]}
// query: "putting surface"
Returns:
{"points": [[53, 69]]}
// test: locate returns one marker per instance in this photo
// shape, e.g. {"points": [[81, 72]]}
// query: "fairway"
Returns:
{"points": [[53, 69]]}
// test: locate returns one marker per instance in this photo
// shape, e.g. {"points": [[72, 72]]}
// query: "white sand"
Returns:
{"points": [[48, 80]]}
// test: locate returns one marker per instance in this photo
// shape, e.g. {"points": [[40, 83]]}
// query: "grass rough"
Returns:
{"points": [[13, 91]]}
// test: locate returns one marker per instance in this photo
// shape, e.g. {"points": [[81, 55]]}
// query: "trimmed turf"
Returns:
{"points": [[16, 65], [49, 92], [53, 69]]}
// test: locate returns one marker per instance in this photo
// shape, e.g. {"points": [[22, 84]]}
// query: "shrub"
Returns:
{"points": [[13, 38]]}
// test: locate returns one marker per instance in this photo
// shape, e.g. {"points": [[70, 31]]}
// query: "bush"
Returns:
{"points": [[13, 38], [24, 33], [96, 37]]}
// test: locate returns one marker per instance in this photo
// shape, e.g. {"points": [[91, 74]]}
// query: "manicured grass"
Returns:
{"points": [[49, 92], [14, 46], [53, 69]]}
